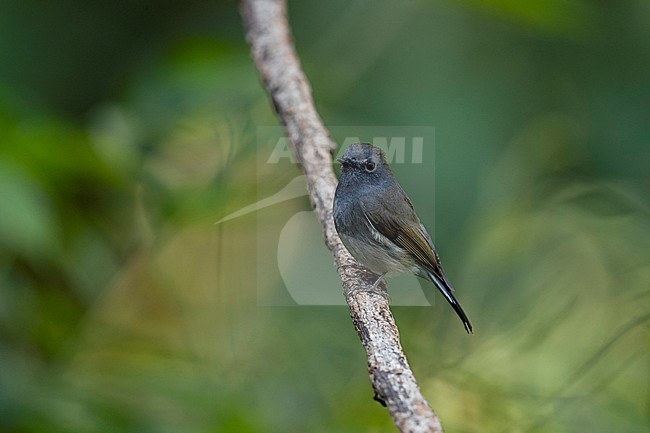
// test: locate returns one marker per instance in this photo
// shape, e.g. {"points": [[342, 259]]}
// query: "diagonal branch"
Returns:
{"points": [[272, 49]]}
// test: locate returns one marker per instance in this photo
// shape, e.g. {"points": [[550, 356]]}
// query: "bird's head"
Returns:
{"points": [[363, 162]]}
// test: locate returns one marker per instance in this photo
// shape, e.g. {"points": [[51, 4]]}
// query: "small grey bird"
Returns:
{"points": [[377, 224]]}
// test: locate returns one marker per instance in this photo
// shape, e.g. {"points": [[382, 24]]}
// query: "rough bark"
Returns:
{"points": [[272, 49]]}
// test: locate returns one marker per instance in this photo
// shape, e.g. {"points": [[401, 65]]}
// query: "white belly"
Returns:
{"points": [[380, 257]]}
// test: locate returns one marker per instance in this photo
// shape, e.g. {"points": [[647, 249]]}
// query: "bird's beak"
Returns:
{"points": [[344, 161]]}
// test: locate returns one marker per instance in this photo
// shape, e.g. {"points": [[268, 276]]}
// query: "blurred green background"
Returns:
{"points": [[128, 128]]}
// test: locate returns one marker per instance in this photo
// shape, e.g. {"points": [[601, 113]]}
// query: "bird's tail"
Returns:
{"points": [[446, 291]]}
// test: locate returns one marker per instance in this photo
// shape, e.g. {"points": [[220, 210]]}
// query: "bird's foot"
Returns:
{"points": [[378, 282], [378, 289]]}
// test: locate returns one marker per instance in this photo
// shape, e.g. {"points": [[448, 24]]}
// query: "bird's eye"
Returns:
{"points": [[370, 166]]}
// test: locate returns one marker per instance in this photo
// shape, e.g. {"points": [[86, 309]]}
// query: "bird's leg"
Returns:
{"points": [[381, 277], [373, 289], [383, 293]]}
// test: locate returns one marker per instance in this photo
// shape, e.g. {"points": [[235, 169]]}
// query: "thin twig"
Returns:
{"points": [[272, 49]]}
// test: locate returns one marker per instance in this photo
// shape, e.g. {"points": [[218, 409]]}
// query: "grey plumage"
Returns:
{"points": [[377, 224]]}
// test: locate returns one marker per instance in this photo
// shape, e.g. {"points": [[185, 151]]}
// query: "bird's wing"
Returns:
{"points": [[401, 226]]}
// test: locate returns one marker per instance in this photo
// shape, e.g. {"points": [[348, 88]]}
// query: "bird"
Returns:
{"points": [[377, 224]]}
